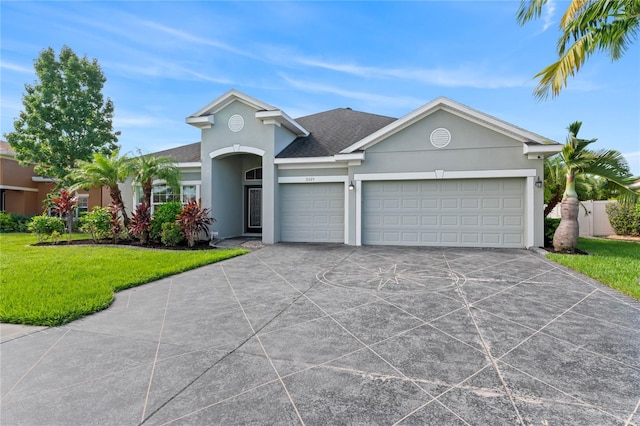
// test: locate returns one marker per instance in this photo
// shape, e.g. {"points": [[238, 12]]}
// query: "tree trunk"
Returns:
{"points": [[553, 202], [116, 196], [147, 187], [566, 236]]}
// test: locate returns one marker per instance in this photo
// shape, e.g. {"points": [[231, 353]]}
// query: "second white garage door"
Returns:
{"points": [[468, 213], [312, 212]]}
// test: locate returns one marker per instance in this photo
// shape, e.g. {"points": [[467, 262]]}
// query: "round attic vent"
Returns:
{"points": [[236, 123], [440, 137]]}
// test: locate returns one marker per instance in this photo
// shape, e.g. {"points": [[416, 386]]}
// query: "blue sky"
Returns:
{"points": [[165, 60]]}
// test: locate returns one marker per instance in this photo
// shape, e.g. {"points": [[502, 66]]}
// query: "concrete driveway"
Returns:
{"points": [[323, 334]]}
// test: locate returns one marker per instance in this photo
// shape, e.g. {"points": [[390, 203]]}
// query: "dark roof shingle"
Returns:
{"points": [[332, 131], [182, 154]]}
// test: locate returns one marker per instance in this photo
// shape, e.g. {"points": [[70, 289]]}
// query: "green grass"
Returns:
{"points": [[614, 263], [52, 285]]}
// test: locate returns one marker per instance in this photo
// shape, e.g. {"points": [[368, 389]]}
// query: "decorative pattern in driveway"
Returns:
{"points": [[326, 334]]}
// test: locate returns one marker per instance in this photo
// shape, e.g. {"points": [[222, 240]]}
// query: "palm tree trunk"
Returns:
{"points": [[566, 236], [116, 196]]}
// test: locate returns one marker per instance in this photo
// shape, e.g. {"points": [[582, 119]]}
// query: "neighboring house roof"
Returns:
{"points": [[182, 154], [332, 131], [5, 149]]}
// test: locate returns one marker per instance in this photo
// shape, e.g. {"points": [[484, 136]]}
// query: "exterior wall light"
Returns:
{"points": [[539, 182], [351, 186]]}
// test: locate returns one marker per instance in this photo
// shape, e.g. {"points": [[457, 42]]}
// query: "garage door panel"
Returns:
{"points": [[472, 212], [470, 220], [472, 238], [429, 220], [513, 203], [512, 238], [430, 204], [312, 212]]}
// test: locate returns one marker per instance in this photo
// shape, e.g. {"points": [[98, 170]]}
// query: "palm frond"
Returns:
{"points": [[574, 8], [554, 77], [529, 10], [587, 26]]}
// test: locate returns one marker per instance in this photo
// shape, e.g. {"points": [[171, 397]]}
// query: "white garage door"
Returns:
{"points": [[465, 212], [312, 212]]}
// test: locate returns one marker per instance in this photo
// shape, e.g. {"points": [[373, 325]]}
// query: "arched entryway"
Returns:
{"points": [[237, 203]]}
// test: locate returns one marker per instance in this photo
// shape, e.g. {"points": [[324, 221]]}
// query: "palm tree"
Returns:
{"points": [[587, 26], [578, 160], [588, 187], [104, 170], [146, 168]]}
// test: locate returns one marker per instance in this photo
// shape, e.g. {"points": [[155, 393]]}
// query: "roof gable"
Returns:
{"points": [[204, 117], [455, 108], [227, 98]]}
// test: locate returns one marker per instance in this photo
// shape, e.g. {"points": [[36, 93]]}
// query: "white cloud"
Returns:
{"points": [[548, 15], [14, 67], [395, 101], [463, 76], [132, 120], [164, 70], [195, 39]]}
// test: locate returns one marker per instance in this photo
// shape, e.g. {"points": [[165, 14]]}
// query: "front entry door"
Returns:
{"points": [[253, 209]]}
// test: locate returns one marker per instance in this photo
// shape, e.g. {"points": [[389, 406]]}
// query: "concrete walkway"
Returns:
{"points": [[324, 334]]}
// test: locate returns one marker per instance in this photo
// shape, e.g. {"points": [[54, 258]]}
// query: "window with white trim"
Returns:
{"points": [[253, 174], [83, 205], [161, 193]]}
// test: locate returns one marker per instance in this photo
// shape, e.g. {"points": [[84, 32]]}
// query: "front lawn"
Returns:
{"points": [[612, 262], [52, 285]]}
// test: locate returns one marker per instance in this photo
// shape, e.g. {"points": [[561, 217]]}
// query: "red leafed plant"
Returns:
{"points": [[114, 221], [193, 220], [140, 223], [64, 203]]}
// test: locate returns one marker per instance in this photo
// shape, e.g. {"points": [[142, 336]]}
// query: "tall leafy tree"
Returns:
{"points": [[104, 170], [66, 117], [587, 26], [578, 161], [146, 168]]}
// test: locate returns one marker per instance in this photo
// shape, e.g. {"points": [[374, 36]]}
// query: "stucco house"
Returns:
{"points": [[442, 175]]}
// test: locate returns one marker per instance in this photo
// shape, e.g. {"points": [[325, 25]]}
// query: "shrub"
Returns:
{"points": [[56, 237], [165, 213], [625, 220], [43, 226], [550, 226], [14, 222], [141, 222], [193, 220], [64, 204], [21, 221], [171, 234], [97, 223], [7, 223]]}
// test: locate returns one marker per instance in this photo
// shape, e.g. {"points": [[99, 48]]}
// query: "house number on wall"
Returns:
{"points": [[309, 179]]}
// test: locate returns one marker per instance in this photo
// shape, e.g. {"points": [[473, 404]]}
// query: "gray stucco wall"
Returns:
{"points": [[220, 180], [472, 148], [313, 172]]}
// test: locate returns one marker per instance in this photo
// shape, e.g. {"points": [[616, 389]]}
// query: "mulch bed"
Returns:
{"points": [[201, 245]]}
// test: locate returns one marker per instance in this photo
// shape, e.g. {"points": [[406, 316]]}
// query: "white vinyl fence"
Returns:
{"points": [[594, 222]]}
